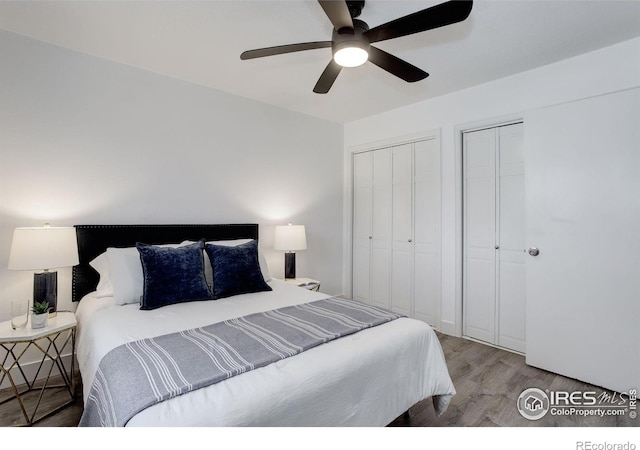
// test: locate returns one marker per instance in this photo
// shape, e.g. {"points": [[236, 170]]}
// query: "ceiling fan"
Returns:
{"points": [[351, 40]]}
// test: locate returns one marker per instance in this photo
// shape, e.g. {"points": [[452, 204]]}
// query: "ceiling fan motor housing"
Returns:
{"points": [[351, 37], [355, 7]]}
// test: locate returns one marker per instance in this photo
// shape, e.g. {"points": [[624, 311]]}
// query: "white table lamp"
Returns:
{"points": [[44, 248], [290, 238]]}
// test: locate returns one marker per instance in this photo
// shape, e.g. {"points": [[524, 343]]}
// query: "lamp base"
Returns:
{"points": [[289, 265], [45, 289]]}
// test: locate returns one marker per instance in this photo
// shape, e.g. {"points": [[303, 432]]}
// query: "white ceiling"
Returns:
{"points": [[201, 42]]}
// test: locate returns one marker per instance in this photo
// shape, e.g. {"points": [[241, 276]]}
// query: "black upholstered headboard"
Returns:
{"points": [[95, 239]]}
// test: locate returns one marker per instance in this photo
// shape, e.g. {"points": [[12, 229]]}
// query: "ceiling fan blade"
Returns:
{"points": [[337, 12], [280, 49], [396, 66], [427, 19], [327, 78]]}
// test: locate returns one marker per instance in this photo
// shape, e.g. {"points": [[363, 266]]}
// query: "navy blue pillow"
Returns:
{"points": [[236, 270], [172, 275]]}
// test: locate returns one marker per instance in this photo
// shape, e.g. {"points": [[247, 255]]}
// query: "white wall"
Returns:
{"points": [[86, 141], [606, 70]]}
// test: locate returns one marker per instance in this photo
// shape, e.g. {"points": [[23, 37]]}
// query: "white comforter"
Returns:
{"points": [[365, 379]]}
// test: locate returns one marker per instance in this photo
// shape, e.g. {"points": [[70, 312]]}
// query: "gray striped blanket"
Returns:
{"points": [[139, 374]]}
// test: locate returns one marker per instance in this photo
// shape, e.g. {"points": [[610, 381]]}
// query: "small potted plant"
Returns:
{"points": [[40, 314]]}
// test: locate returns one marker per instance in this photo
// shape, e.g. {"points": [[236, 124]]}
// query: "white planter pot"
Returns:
{"points": [[39, 320]]}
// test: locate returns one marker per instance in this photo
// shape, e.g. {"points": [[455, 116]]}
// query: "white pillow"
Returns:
{"points": [[101, 265], [264, 267], [208, 270], [125, 273]]}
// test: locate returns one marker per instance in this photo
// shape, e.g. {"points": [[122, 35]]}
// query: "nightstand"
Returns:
{"points": [[307, 283], [50, 342]]}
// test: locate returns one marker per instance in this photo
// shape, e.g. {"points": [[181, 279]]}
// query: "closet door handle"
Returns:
{"points": [[409, 240], [497, 247]]}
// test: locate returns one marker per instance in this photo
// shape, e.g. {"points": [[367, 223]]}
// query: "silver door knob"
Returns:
{"points": [[534, 251], [409, 240], [497, 247]]}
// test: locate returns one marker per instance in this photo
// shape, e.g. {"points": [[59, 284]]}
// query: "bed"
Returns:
{"points": [[367, 378]]}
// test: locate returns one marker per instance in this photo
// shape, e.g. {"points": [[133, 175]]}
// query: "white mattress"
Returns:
{"points": [[365, 379]]}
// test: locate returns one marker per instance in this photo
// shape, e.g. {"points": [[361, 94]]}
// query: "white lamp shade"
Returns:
{"points": [[41, 248], [290, 238]]}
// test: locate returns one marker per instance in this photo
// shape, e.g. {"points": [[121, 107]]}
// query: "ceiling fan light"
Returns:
{"points": [[351, 56]]}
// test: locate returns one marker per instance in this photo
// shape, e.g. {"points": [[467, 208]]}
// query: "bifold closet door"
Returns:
{"points": [[494, 236], [396, 229]]}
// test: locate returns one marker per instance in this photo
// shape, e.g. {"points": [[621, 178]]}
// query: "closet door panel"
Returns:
{"points": [[479, 228], [427, 236], [381, 228], [402, 237], [511, 255], [362, 199]]}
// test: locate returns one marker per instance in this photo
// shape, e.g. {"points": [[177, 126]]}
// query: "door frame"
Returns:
{"points": [[456, 329]]}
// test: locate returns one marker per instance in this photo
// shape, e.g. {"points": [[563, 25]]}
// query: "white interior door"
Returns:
{"points": [[583, 213]]}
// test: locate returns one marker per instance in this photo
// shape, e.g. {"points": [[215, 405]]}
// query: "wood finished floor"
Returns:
{"points": [[488, 382]]}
